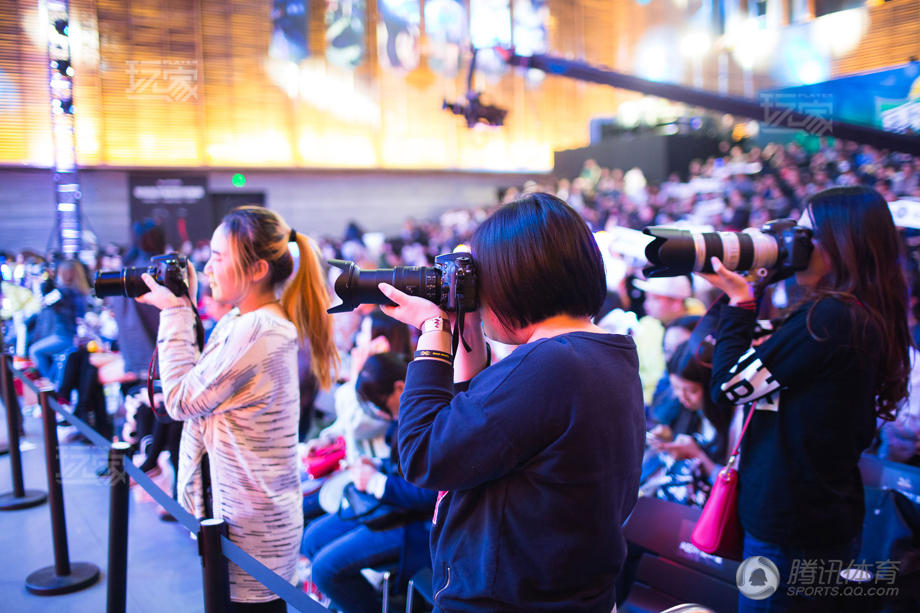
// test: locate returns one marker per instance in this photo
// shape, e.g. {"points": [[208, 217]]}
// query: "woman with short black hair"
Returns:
{"points": [[538, 456], [536, 258]]}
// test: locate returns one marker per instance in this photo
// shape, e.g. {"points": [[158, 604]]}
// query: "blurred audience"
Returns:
{"points": [[63, 302], [339, 545]]}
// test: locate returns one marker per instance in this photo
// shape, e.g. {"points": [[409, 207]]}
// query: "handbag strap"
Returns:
{"points": [[734, 455], [355, 492]]}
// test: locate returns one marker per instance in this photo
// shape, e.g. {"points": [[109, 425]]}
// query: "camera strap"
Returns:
{"points": [[457, 336], [153, 370]]}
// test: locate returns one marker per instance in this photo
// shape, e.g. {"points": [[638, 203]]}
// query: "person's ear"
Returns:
{"points": [[260, 271], [394, 398]]}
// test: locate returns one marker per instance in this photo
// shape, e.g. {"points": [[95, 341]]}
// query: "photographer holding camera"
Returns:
{"points": [[538, 456], [838, 360], [239, 398]]}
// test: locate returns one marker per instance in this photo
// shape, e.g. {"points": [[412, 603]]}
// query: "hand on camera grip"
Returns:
{"points": [[411, 310], [159, 296], [734, 285]]}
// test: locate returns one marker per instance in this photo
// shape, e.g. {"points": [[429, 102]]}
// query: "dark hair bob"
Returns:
{"points": [[537, 259], [379, 374]]}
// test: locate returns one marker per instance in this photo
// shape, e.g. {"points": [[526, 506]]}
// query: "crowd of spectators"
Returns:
{"points": [[48, 315]]}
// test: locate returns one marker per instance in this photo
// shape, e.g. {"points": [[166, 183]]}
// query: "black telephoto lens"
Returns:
{"points": [[126, 282], [109, 283], [671, 253], [134, 285], [355, 286]]}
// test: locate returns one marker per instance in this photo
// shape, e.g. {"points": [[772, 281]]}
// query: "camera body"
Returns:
{"points": [[450, 283], [794, 245], [781, 246], [458, 282], [170, 270]]}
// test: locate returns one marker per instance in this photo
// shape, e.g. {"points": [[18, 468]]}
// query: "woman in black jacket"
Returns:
{"points": [[838, 360]]}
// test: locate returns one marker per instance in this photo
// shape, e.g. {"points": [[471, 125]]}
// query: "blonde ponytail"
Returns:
{"points": [[257, 233], [305, 300]]}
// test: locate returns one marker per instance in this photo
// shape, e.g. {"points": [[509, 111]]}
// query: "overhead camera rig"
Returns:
{"points": [[472, 109], [476, 112]]}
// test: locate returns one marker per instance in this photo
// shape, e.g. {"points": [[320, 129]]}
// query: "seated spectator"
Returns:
{"points": [[900, 438], [690, 451], [666, 299], [63, 302], [339, 546], [665, 405], [80, 374], [683, 458], [363, 433]]}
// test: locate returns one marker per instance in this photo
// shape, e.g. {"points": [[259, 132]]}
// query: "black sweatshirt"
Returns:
{"points": [[541, 457], [800, 484]]}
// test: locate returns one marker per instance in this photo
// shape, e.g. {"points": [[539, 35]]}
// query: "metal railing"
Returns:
{"points": [[65, 576]]}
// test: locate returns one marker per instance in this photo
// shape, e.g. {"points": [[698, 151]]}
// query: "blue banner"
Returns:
{"points": [[888, 99]]}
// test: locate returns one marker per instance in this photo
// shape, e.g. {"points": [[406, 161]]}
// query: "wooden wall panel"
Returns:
{"points": [[893, 37], [25, 106], [238, 108]]}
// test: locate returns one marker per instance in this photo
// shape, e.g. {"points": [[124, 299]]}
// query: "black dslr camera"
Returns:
{"points": [[780, 245], [170, 270], [450, 283]]}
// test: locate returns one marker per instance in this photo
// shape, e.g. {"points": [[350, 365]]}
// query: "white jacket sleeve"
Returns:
{"points": [[196, 385]]}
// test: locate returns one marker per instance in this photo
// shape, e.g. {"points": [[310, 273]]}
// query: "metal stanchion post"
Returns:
{"points": [[385, 589], [63, 577], [214, 566], [116, 589], [19, 498]]}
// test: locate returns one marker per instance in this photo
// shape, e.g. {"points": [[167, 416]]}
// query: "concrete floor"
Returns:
{"points": [[164, 572]]}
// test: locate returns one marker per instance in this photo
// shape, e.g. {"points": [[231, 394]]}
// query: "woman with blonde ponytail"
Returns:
{"points": [[239, 398]]}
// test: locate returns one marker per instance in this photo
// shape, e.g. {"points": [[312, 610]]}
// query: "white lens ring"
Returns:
{"points": [[766, 251], [731, 249], [699, 245]]}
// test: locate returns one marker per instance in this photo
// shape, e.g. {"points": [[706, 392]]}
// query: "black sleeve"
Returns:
{"points": [[449, 441], [802, 346]]}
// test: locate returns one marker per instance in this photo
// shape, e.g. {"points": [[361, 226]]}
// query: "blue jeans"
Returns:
{"points": [[43, 350], [338, 549], [781, 601]]}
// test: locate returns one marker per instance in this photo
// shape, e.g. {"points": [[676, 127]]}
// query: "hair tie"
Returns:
{"points": [[293, 236]]}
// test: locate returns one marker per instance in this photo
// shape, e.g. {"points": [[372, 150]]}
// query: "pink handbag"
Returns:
{"points": [[322, 461], [718, 530]]}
